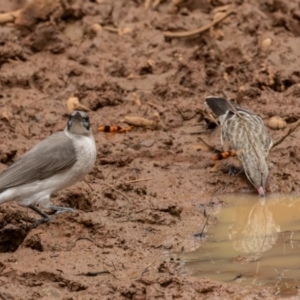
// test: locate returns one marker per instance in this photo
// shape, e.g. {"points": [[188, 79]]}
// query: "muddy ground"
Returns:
{"points": [[117, 243]]}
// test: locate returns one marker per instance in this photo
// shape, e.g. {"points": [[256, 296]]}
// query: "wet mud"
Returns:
{"points": [[147, 193]]}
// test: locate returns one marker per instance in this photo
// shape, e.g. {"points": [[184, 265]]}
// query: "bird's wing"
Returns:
{"points": [[52, 155], [233, 130]]}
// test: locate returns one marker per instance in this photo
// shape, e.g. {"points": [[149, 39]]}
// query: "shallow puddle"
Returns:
{"points": [[253, 243]]}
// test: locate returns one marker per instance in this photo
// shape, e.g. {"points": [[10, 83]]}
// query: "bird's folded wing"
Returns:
{"points": [[52, 155]]}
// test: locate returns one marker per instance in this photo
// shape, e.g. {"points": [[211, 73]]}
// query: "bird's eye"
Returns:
{"points": [[70, 122], [86, 123]]}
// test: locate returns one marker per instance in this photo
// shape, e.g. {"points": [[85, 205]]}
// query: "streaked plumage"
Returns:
{"points": [[245, 133], [55, 163]]}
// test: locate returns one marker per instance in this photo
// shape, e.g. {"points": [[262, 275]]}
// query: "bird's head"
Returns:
{"points": [[79, 123], [258, 174]]}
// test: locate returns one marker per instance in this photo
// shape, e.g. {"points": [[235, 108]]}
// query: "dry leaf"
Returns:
{"points": [[125, 30], [74, 104], [136, 99], [142, 122], [5, 114]]}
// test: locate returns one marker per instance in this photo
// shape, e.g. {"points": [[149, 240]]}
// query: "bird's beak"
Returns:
{"points": [[261, 191], [77, 124], [77, 116]]}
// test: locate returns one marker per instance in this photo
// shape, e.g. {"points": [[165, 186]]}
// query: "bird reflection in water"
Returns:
{"points": [[254, 230], [254, 241]]}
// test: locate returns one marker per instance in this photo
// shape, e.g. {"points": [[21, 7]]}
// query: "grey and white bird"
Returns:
{"points": [[244, 132], [55, 163]]}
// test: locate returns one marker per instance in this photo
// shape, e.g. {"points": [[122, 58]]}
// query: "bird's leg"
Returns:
{"points": [[45, 218], [61, 209], [236, 167]]}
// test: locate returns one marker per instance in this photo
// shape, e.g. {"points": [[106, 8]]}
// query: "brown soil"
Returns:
{"points": [[108, 248]]}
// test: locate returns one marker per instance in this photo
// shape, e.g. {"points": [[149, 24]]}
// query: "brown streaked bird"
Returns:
{"points": [[55, 163], [247, 135]]}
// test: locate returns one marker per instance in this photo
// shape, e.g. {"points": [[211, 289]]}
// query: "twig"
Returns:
{"points": [[147, 4], [112, 169], [113, 265], [221, 8], [182, 115], [155, 3], [74, 244], [209, 117], [202, 29], [239, 276], [118, 192], [9, 17], [160, 109], [200, 234], [180, 112], [292, 128], [88, 185], [141, 210], [111, 29], [152, 262], [206, 147], [25, 131], [2, 296], [110, 272], [83, 238], [127, 182], [91, 274], [138, 180], [201, 132], [104, 189]]}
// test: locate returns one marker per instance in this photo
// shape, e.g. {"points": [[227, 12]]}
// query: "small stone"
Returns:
{"points": [[266, 43], [51, 292], [276, 123]]}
